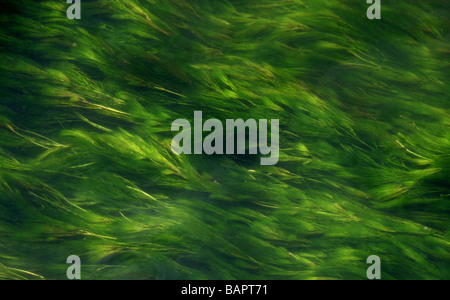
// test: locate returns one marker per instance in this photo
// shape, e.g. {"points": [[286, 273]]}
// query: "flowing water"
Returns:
{"points": [[87, 169]]}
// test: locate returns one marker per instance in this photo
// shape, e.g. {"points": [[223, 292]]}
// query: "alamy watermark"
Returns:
{"points": [[374, 11], [232, 140], [374, 271], [74, 270], [74, 11]]}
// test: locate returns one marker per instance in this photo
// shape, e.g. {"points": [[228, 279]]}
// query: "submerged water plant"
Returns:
{"points": [[86, 166]]}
